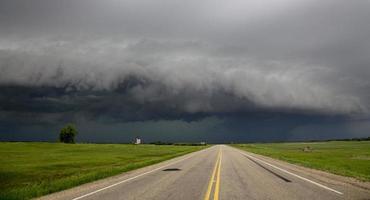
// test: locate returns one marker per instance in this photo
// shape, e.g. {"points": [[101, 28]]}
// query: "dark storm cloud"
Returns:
{"points": [[122, 61]]}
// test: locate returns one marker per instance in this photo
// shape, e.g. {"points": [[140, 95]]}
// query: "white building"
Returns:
{"points": [[137, 141]]}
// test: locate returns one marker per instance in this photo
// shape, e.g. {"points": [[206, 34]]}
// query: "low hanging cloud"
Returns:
{"points": [[143, 60], [188, 76]]}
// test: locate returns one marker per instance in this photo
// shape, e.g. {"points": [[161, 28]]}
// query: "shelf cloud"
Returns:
{"points": [[191, 61]]}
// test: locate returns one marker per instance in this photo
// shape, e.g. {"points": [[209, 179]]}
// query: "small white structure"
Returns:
{"points": [[137, 140]]}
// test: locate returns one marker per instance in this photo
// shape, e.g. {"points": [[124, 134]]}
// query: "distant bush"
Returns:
{"points": [[190, 144], [178, 144], [353, 139], [161, 143], [67, 134]]}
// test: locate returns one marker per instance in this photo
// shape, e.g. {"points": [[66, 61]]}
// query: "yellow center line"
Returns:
{"points": [[216, 171], [217, 187]]}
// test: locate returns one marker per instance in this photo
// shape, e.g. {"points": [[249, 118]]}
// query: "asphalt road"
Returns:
{"points": [[219, 172]]}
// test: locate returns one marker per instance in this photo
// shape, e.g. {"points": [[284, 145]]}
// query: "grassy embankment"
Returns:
{"points": [[34, 169], [343, 158]]}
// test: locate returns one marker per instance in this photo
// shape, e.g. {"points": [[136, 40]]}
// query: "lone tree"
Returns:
{"points": [[67, 134]]}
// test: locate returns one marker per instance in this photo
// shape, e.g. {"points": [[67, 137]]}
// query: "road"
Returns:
{"points": [[219, 172]]}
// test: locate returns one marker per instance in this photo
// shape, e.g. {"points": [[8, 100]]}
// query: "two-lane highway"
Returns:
{"points": [[219, 172]]}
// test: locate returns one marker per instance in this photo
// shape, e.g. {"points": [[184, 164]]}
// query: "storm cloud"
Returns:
{"points": [[118, 62]]}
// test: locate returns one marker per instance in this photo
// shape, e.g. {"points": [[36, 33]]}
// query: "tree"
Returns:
{"points": [[67, 134]]}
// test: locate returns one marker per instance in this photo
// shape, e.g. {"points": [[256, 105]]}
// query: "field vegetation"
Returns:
{"points": [[347, 158], [30, 170]]}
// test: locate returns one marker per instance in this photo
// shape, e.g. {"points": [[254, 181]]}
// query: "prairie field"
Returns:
{"points": [[346, 158], [32, 169]]}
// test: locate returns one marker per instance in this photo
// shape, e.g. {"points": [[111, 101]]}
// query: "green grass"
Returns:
{"points": [[30, 170], [343, 158]]}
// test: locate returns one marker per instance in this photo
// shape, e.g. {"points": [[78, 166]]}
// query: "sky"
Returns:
{"points": [[185, 71]]}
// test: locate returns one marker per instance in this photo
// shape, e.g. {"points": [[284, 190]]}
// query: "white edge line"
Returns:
{"points": [[137, 176], [300, 177]]}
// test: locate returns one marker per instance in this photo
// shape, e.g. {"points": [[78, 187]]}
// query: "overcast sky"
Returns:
{"points": [[191, 70]]}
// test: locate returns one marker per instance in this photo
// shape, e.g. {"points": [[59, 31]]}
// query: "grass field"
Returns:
{"points": [[34, 169], [344, 158]]}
